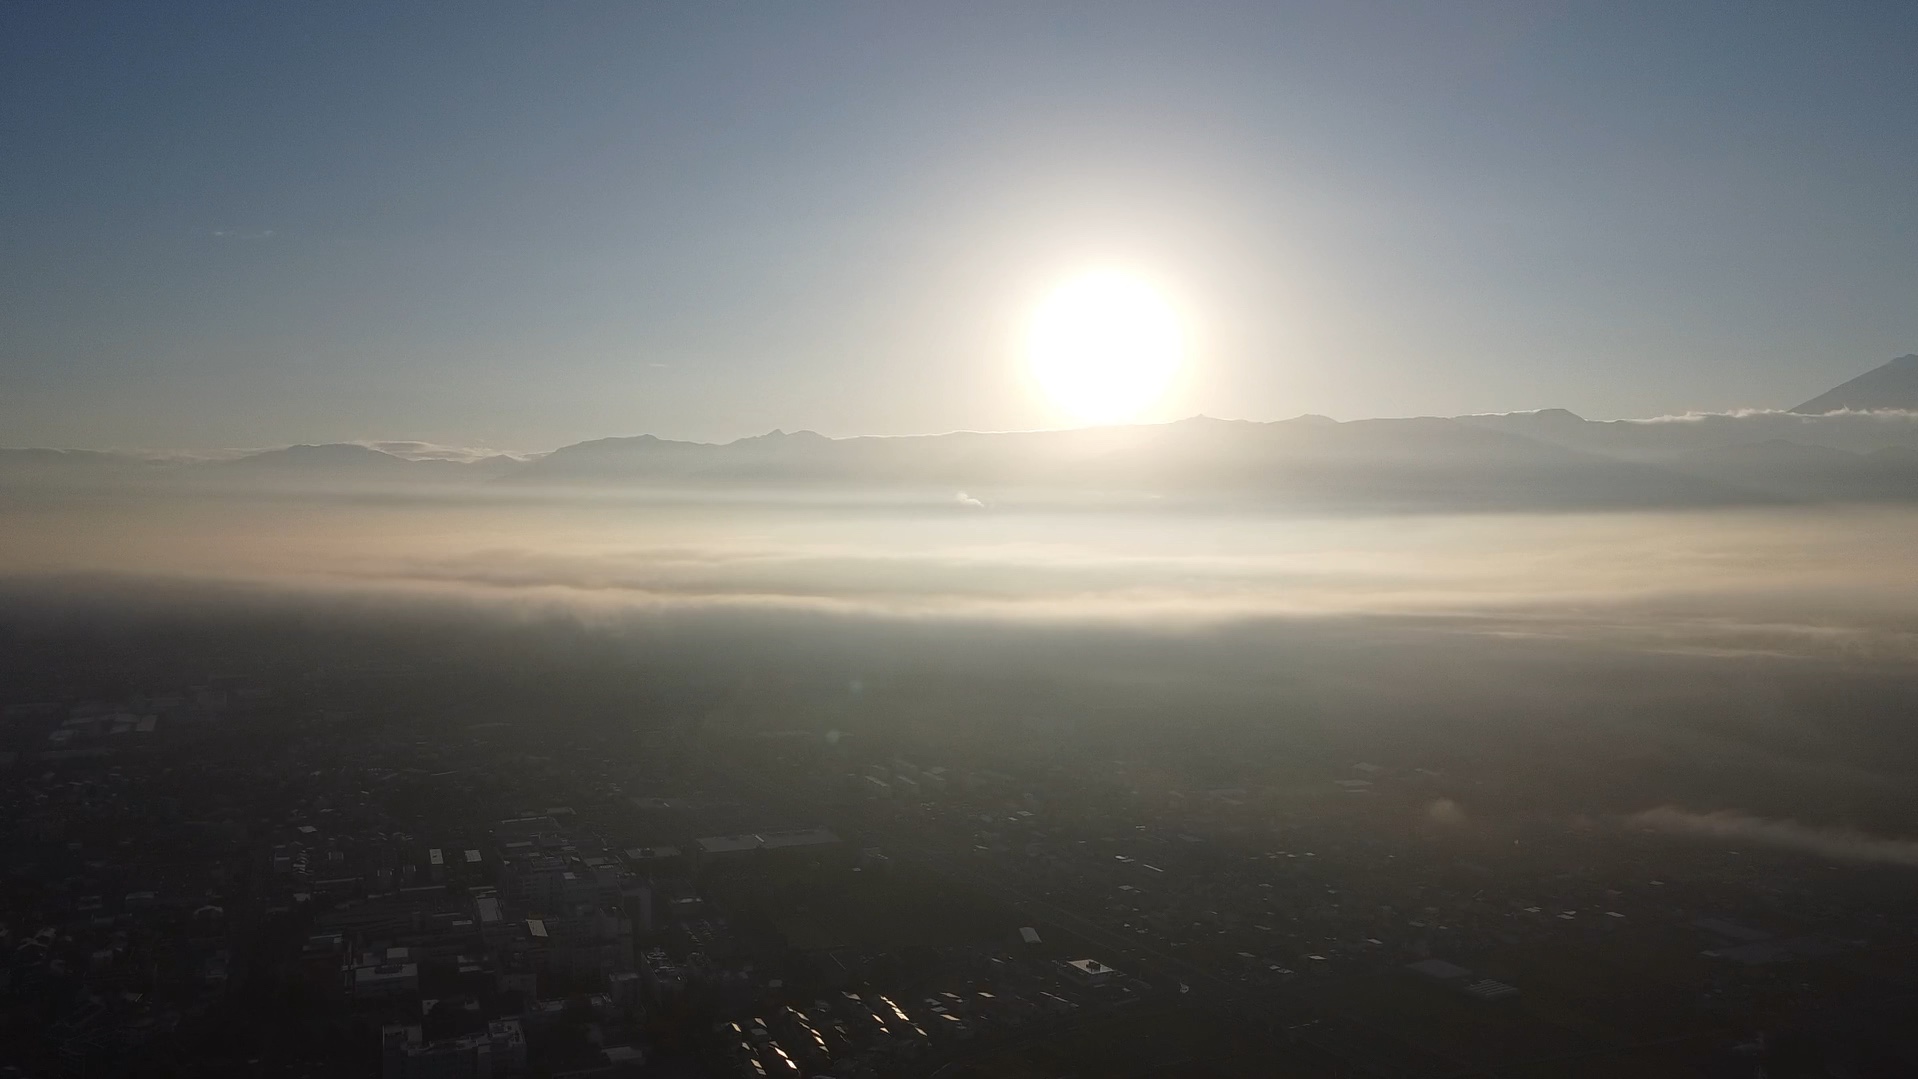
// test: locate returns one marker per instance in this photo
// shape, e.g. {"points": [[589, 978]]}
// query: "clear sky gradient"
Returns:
{"points": [[525, 225]]}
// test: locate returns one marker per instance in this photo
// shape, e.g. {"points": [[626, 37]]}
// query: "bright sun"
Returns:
{"points": [[1105, 346]]}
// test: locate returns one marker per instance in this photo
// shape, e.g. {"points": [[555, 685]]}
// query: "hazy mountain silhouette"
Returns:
{"points": [[1549, 459], [345, 458], [1398, 463], [67, 462], [1894, 385], [346, 464], [1809, 473], [1669, 438], [292, 467]]}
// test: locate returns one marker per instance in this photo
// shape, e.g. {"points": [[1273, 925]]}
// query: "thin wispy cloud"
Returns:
{"points": [[1783, 417], [1838, 844], [414, 450], [1670, 438]]}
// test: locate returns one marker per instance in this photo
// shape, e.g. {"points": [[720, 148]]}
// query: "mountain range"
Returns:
{"points": [[1892, 386], [1859, 442]]}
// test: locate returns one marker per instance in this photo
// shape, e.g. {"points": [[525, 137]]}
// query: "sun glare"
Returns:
{"points": [[1105, 347]]}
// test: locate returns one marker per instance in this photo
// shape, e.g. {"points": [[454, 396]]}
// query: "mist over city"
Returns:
{"points": [[958, 542]]}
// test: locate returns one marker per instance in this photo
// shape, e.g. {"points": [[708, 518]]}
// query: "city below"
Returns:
{"points": [[341, 865]]}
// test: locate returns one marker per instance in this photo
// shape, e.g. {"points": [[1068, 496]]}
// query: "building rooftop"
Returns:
{"points": [[798, 838], [648, 854], [385, 972], [802, 837], [726, 844]]}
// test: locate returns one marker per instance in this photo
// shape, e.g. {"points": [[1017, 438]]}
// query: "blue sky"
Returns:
{"points": [[525, 225]]}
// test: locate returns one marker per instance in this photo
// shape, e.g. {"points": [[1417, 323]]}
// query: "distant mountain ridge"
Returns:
{"points": [[1546, 460], [1393, 463], [1892, 386]]}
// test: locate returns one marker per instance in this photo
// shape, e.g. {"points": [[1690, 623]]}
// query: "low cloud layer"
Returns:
{"points": [[1837, 844], [1830, 585], [1785, 419], [1666, 438], [433, 451], [1855, 431], [1766, 645]]}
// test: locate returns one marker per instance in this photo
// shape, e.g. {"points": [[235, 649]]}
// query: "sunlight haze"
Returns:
{"points": [[529, 228], [984, 539]]}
